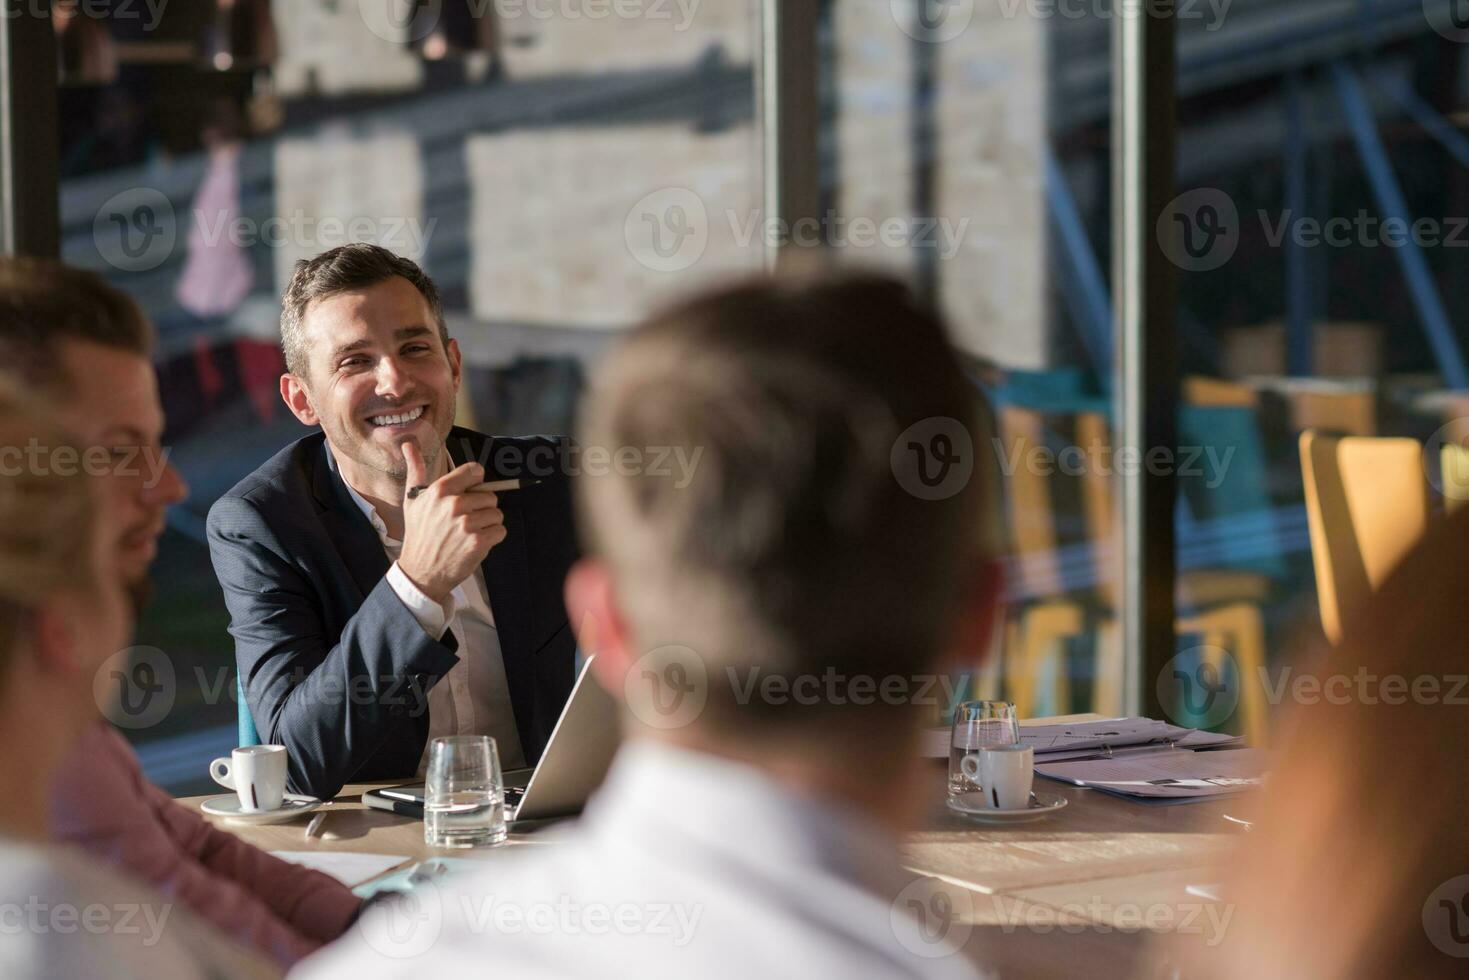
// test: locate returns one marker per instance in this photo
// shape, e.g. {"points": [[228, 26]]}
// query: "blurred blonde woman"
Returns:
{"points": [[1359, 863], [63, 611]]}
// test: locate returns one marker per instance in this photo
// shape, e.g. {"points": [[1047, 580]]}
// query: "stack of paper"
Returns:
{"points": [[1092, 739], [1139, 758], [1165, 775]]}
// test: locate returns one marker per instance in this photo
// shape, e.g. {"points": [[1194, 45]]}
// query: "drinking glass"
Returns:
{"points": [[464, 794], [978, 725]]}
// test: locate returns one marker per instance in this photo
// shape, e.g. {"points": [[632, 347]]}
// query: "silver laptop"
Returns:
{"points": [[576, 759]]}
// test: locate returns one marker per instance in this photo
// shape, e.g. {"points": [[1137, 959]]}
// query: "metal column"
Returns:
{"points": [[789, 113], [30, 209], [1145, 131]]}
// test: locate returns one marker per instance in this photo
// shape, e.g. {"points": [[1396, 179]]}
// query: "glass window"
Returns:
{"points": [[967, 147], [1321, 169], [556, 167]]}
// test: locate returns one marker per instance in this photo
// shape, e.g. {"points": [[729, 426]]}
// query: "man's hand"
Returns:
{"points": [[446, 531]]}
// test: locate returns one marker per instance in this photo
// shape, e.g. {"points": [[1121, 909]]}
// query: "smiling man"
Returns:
{"points": [[379, 594]]}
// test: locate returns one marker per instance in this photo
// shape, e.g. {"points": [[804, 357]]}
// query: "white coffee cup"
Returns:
{"points": [[1006, 773], [257, 773]]}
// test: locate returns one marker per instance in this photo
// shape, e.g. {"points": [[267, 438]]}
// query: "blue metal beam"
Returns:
{"points": [[1427, 116], [1392, 204], [1091, 292], [1300, 324]]}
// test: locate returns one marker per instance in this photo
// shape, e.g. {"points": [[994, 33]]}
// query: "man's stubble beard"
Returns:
{"points": [[140, 593]]}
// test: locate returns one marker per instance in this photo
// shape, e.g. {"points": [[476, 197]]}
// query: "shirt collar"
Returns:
{"points": [[368, 511], [655, 790]]}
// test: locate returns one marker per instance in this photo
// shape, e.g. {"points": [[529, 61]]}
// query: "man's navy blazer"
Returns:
{"points": [[335, 667]]}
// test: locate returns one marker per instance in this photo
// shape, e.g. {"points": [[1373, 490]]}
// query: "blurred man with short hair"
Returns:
{"points": [[84, 349], [771, 626]]}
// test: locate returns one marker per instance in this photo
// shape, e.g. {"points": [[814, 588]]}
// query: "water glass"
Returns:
{"points": [[978, 725], [464, 794]]}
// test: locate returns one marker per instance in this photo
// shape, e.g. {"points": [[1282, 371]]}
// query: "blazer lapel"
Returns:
{"points": [[348, 527]]}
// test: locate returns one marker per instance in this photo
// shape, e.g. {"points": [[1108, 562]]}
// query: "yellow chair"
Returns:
{"points": [[1035, 628], [1367, 505], [1226, 602], [1228, 612]]}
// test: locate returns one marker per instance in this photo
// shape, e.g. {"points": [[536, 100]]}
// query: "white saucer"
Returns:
{"points": [[1041, 807], [229, 808]]}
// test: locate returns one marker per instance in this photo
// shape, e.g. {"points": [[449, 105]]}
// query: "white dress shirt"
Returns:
{"points": [[685, 865], [474, 697]]}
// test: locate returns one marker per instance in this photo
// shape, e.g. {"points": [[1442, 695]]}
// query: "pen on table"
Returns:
{"points": [[315, 824], [501, 486]]}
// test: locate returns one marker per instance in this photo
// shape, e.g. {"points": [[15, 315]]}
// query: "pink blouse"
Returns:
{"points": [[103, 804]]}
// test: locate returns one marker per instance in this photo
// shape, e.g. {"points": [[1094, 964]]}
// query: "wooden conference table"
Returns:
{"points": [[1079, 892]]}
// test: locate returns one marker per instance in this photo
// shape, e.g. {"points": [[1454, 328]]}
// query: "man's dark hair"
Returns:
{"points": [[336, 271], [802, 544], [44, 304]]}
